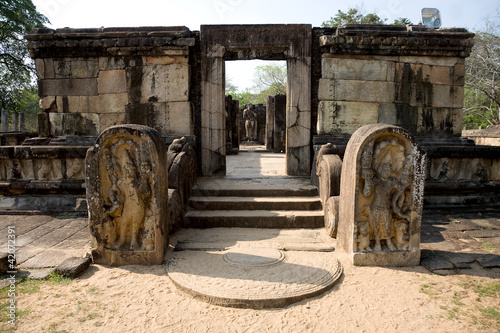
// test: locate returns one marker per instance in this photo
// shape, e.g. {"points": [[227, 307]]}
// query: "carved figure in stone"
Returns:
{"points": [[250, 117], [130, 197], [402, 236], [363, 237], [386, 182]]}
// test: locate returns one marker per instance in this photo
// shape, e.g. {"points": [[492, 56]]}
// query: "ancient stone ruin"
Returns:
{"points": [[127, 196], [381, 197]]}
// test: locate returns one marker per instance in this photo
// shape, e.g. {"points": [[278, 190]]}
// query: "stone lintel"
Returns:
{"points": [[399, 40]]}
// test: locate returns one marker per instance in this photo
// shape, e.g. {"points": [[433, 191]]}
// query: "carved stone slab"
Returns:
{"points": [[381, 197], [127, 194]]}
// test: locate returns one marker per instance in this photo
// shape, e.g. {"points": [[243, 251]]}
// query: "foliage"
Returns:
{"points": [[482, 88], [17, 18], [230, 86], [27, 102], [356, 16], [270, 80], [244, 97]]}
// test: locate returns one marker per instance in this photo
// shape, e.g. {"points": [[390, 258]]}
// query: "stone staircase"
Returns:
{"points": [[273, 202]]}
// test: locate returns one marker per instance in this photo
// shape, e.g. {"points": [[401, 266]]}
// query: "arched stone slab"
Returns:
{"points": [[127, 194], [381, 196]]}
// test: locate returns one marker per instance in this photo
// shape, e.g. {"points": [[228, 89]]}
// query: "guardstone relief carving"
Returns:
{"points": [[127, 191], [126, 195], [386, 169], [381, 197]]}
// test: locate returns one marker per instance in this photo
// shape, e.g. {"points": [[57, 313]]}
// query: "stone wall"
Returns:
{"points": [[91, 79], [488, 137], [411, 77]]}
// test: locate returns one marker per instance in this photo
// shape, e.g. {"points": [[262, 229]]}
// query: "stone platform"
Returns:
{"points": [[248, 268]]}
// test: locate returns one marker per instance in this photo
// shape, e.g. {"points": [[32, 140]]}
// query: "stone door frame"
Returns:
{"points": [[290, 42]]}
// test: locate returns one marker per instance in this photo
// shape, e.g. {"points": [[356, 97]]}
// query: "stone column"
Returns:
{"points": [[127, 195], [213, 119], [15, 122], [279, 123], [269, 122], [298, 117], [5, 121], [22, 122]]}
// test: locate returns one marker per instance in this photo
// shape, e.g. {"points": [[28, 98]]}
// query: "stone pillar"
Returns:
{"points": [[381, 197], [269, 122], [213, 119], [127, 195], [22, 122], [279, 123], [298, 117], [15, 122], [5, 121], [235, 124]]}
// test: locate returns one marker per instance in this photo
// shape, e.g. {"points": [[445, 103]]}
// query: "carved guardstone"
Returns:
{"points": [[381, 197], [127, 194]]}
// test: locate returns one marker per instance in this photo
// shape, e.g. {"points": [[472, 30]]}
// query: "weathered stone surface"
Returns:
{"points": [[107, 120], [356, 91], [75, 68], [329, 169], [67, 87], [357, 69], [127, 195], [73, 267], [332, 212], [174, 118], [165, 60], [175, 210], [48, 104], [345, 117], [165, 83], [381, 197], [112, 82], [63, 124]]}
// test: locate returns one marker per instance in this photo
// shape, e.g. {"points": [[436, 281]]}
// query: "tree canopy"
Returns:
{"points": [[482, 87], [356, 16], [17, 18]]}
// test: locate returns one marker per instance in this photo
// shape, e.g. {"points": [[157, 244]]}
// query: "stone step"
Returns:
{"points": [[254, 219], [255, 203], [255, 187]]}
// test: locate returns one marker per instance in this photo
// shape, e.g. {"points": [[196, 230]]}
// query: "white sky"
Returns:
{"points": [[193, 13]]}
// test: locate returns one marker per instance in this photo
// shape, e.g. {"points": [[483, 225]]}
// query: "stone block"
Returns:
{"points": [[165, 60], [48, 104], [107, 120], [439, 120], [433, 61], [127, 195], [356, 91], [43, 125], [447, 96], [165, 83], [424, 73], [84, 68], [84, 124], [105, 103], [345, 117], [67, 87], [40, 68], [113, 63], [381, 197], [73, 267], [174, 119], [357, 69], [112, 82]]}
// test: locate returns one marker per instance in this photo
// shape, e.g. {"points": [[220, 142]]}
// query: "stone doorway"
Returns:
{"points": [[247, 42]]}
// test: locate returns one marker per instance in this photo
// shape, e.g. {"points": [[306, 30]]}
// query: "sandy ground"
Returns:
{"points": [[366, 299]]}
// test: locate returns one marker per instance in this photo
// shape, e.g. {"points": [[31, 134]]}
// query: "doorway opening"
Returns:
{"points": [[255, 117]]}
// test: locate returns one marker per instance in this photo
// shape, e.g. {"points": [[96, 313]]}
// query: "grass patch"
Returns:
{"points": [[94, 290], [490, 248]]}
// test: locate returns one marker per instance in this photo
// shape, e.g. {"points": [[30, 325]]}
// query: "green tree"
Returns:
{"points": [[244, 97], [269, 80], [356, 16], [482, 87], [17, 71]]}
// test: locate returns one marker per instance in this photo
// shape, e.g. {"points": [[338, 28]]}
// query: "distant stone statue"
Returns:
{"points": [[250, 117]]}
